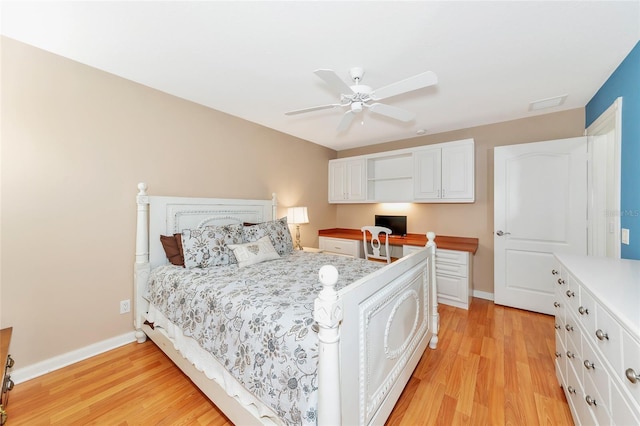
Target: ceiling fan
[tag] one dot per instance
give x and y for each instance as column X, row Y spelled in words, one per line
column 359, row 96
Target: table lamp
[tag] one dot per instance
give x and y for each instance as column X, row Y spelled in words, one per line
column 297, row 216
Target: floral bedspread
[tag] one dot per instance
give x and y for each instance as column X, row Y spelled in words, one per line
column 257, row 321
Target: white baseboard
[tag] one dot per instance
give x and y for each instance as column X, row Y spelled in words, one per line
column 482, row 295
column 23, row 374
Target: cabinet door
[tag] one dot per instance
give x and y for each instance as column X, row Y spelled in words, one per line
column 426, row 174
column 457, row 172
column 347, row 180
column 356, row 180
column 337, row 180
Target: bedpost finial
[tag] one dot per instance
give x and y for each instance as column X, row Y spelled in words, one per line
column 142, row 188
column 431, row 236
column 328, row 275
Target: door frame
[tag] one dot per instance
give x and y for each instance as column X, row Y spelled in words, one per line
column 609, row 120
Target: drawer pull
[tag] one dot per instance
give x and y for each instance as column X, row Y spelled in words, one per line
column 590, row 400
column 632, row 375
column 568, row 327
column 571, row 389
column 560, row 281
column 588, row 365
column 558, row 354
column 570, row 293
column 554, row 272
column 601, row 335
column 558, row 327
column 583, row 310
column 570, row 354
column 556, row 304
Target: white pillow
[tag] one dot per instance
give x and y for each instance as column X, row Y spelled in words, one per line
column 255, row 252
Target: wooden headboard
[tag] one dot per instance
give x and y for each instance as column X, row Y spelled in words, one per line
column 170, row 215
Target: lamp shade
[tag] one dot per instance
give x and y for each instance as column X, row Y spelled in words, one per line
column 297, row 215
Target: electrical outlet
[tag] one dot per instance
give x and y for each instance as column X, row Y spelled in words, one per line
column 625, row 236
column 125, row 306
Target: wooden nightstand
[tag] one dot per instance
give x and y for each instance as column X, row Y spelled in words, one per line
column 7, row 361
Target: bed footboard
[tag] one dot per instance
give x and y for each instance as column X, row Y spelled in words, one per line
column 372, row 335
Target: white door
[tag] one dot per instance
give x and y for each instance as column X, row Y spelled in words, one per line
column 540, row 207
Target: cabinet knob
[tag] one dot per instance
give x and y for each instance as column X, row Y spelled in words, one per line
column 560, row 281
column 558, row 354
column 570, row 293
column 568, row 327
column 570, row 354
column 10, row 362
column 590, row 400
column 583, row 310
column 558, row 327
column 588, row 365
column 601, row 335
column 632, row 376
column 571, row 389
column 556, row 304
column 554, row 272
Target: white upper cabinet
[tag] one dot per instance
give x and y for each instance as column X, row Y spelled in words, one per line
column 441, row 173
column 428, row 180
column 347, row 180
column 445, row 173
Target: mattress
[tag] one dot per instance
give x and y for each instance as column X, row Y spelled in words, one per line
column 256, row 321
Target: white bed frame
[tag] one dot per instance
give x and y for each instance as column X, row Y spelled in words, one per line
column 371, row 335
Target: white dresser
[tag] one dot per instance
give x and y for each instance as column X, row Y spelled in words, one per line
column 597, row 302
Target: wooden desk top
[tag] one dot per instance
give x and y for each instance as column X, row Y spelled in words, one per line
column 442, row 241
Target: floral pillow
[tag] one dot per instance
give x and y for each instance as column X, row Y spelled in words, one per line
column 277, row 231
column 256, row 252
column 208, row 246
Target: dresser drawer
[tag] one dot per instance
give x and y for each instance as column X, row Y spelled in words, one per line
column 630, row 360
column 621, row 409
column 452, row 256
column 596, row 383
column 607, row 337
column 586, row 311
column 341, row 246
column 451, row 269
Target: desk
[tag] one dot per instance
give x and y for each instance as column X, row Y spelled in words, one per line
column 454, row 258
column 442, row 241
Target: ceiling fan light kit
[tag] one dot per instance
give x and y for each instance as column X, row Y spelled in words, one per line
column 360, row 96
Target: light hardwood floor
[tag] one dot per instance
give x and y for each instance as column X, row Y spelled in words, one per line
column 493, row 366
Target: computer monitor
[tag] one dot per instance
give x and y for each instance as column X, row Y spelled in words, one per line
column 397, row 224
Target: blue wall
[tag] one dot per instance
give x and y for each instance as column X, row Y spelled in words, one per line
column 625, row 83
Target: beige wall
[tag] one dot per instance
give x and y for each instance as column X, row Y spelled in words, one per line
column 466, row 220
column 75, row 143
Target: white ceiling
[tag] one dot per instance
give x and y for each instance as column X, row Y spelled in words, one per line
column 255, row 60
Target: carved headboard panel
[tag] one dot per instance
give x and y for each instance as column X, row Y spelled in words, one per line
column 170, row 215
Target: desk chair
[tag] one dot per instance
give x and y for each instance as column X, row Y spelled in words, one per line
column 375, row 232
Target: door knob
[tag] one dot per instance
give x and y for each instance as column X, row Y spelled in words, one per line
column 500, row 233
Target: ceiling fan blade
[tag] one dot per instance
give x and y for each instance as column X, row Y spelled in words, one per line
column 315, row 108
column 427, row 78
column 347, row 118
column 392, row 112
column 335, row 82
